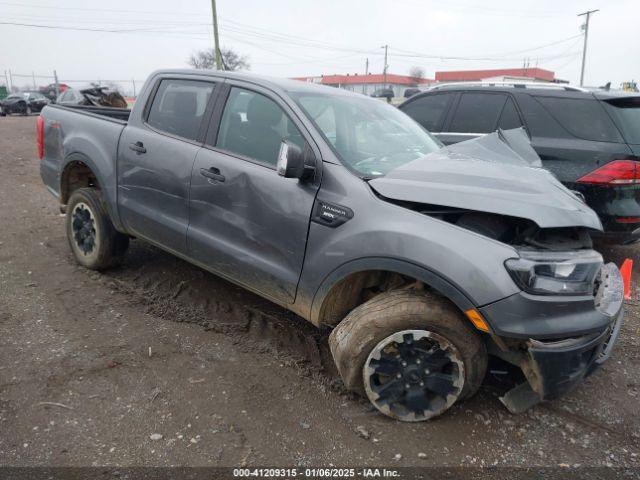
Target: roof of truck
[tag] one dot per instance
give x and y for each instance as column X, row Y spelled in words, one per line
column 285, row 84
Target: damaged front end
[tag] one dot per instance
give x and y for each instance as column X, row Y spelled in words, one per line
column 564, row 322
column 551, row 366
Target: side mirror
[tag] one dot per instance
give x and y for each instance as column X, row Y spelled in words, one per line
column 293, row 162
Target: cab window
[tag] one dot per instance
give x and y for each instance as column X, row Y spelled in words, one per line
column 254, row 126
column 178, row 107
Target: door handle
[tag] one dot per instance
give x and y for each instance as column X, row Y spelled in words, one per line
column 137, row 147
column 213, row 173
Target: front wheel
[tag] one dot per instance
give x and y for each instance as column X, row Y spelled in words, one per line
column 94, row 241
column 412, row 354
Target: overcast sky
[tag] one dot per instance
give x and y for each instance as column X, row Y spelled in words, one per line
column 311, row 37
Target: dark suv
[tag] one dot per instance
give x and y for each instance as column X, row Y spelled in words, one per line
column 590, row 140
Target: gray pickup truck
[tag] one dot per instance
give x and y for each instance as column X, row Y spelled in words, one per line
column 423, row 260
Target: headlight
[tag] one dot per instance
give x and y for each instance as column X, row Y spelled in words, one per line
column 556, row 273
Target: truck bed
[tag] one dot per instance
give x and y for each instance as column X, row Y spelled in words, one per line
column 118, row 114
column 85, row 134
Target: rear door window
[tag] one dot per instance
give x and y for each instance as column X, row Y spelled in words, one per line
column 477, row 113
column 626, row 114
column 179, row 105
column 583, row 118
column 429, row 111
column 509, row 117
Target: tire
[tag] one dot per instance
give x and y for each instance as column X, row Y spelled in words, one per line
column 94, row 241
column 399, row 314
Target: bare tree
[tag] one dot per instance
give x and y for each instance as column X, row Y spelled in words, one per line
column 416, row 72
column 231, row 60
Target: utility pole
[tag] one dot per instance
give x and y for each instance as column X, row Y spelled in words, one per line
column 366, row 67
column 216, row 40
column 55, row 79
column 134, row 86
column 384, row 71
column 33, row 77
column 584, row 47
column 6, row 80
column 11, row 81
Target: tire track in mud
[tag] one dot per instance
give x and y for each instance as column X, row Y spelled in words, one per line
column 174, row 290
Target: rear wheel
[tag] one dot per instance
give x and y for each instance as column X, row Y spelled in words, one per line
column 411, row 354
column 94, row 241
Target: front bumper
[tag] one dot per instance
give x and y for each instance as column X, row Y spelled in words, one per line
column 554, row 368
column 564, row 347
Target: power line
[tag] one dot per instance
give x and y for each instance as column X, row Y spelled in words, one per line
column 111, row 10
column 290, row 40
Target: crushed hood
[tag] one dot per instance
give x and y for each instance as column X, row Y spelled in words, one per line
column 497, row 173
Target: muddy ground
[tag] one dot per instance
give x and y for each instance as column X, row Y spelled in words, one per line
column 94, row 367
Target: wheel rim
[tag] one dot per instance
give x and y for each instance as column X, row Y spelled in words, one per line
column 413, row 375
column 83, row 225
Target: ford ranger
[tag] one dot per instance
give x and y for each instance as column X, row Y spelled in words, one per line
column 423, row 260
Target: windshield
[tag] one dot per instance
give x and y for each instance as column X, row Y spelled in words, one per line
column 626, row 114
column 368, row 135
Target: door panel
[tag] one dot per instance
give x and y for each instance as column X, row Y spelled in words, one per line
column 153, row 187
column 251, row 227
column 155, row 161
column 247, row 222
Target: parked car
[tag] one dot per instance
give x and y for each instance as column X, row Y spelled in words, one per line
column 52, row 91
column 24, row 103
column 383, row 93
column 71, row 96
column 410, row 92
column 589, row 139
column 93, row 96
column 345, row 211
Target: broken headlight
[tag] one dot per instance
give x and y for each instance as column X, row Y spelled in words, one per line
column 556, row 273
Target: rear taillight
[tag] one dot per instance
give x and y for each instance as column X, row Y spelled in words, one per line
column 618, row 172
column 40, row 137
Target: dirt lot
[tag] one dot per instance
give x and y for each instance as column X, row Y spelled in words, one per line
column 94, row 367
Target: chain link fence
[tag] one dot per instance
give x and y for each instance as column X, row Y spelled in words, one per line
column 19, row 81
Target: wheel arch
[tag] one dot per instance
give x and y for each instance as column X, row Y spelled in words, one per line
column 339, row 292
column 78, row 171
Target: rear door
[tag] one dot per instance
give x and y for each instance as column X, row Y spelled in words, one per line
column 247, row 222
column 156, row 155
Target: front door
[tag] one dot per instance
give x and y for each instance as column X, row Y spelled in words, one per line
column 247, row 222
column 156, row 159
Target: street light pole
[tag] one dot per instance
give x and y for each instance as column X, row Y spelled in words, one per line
column 216, row 40
column 584, row 47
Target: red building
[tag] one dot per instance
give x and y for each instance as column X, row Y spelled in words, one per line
column 534, row 74
column 367, row 84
